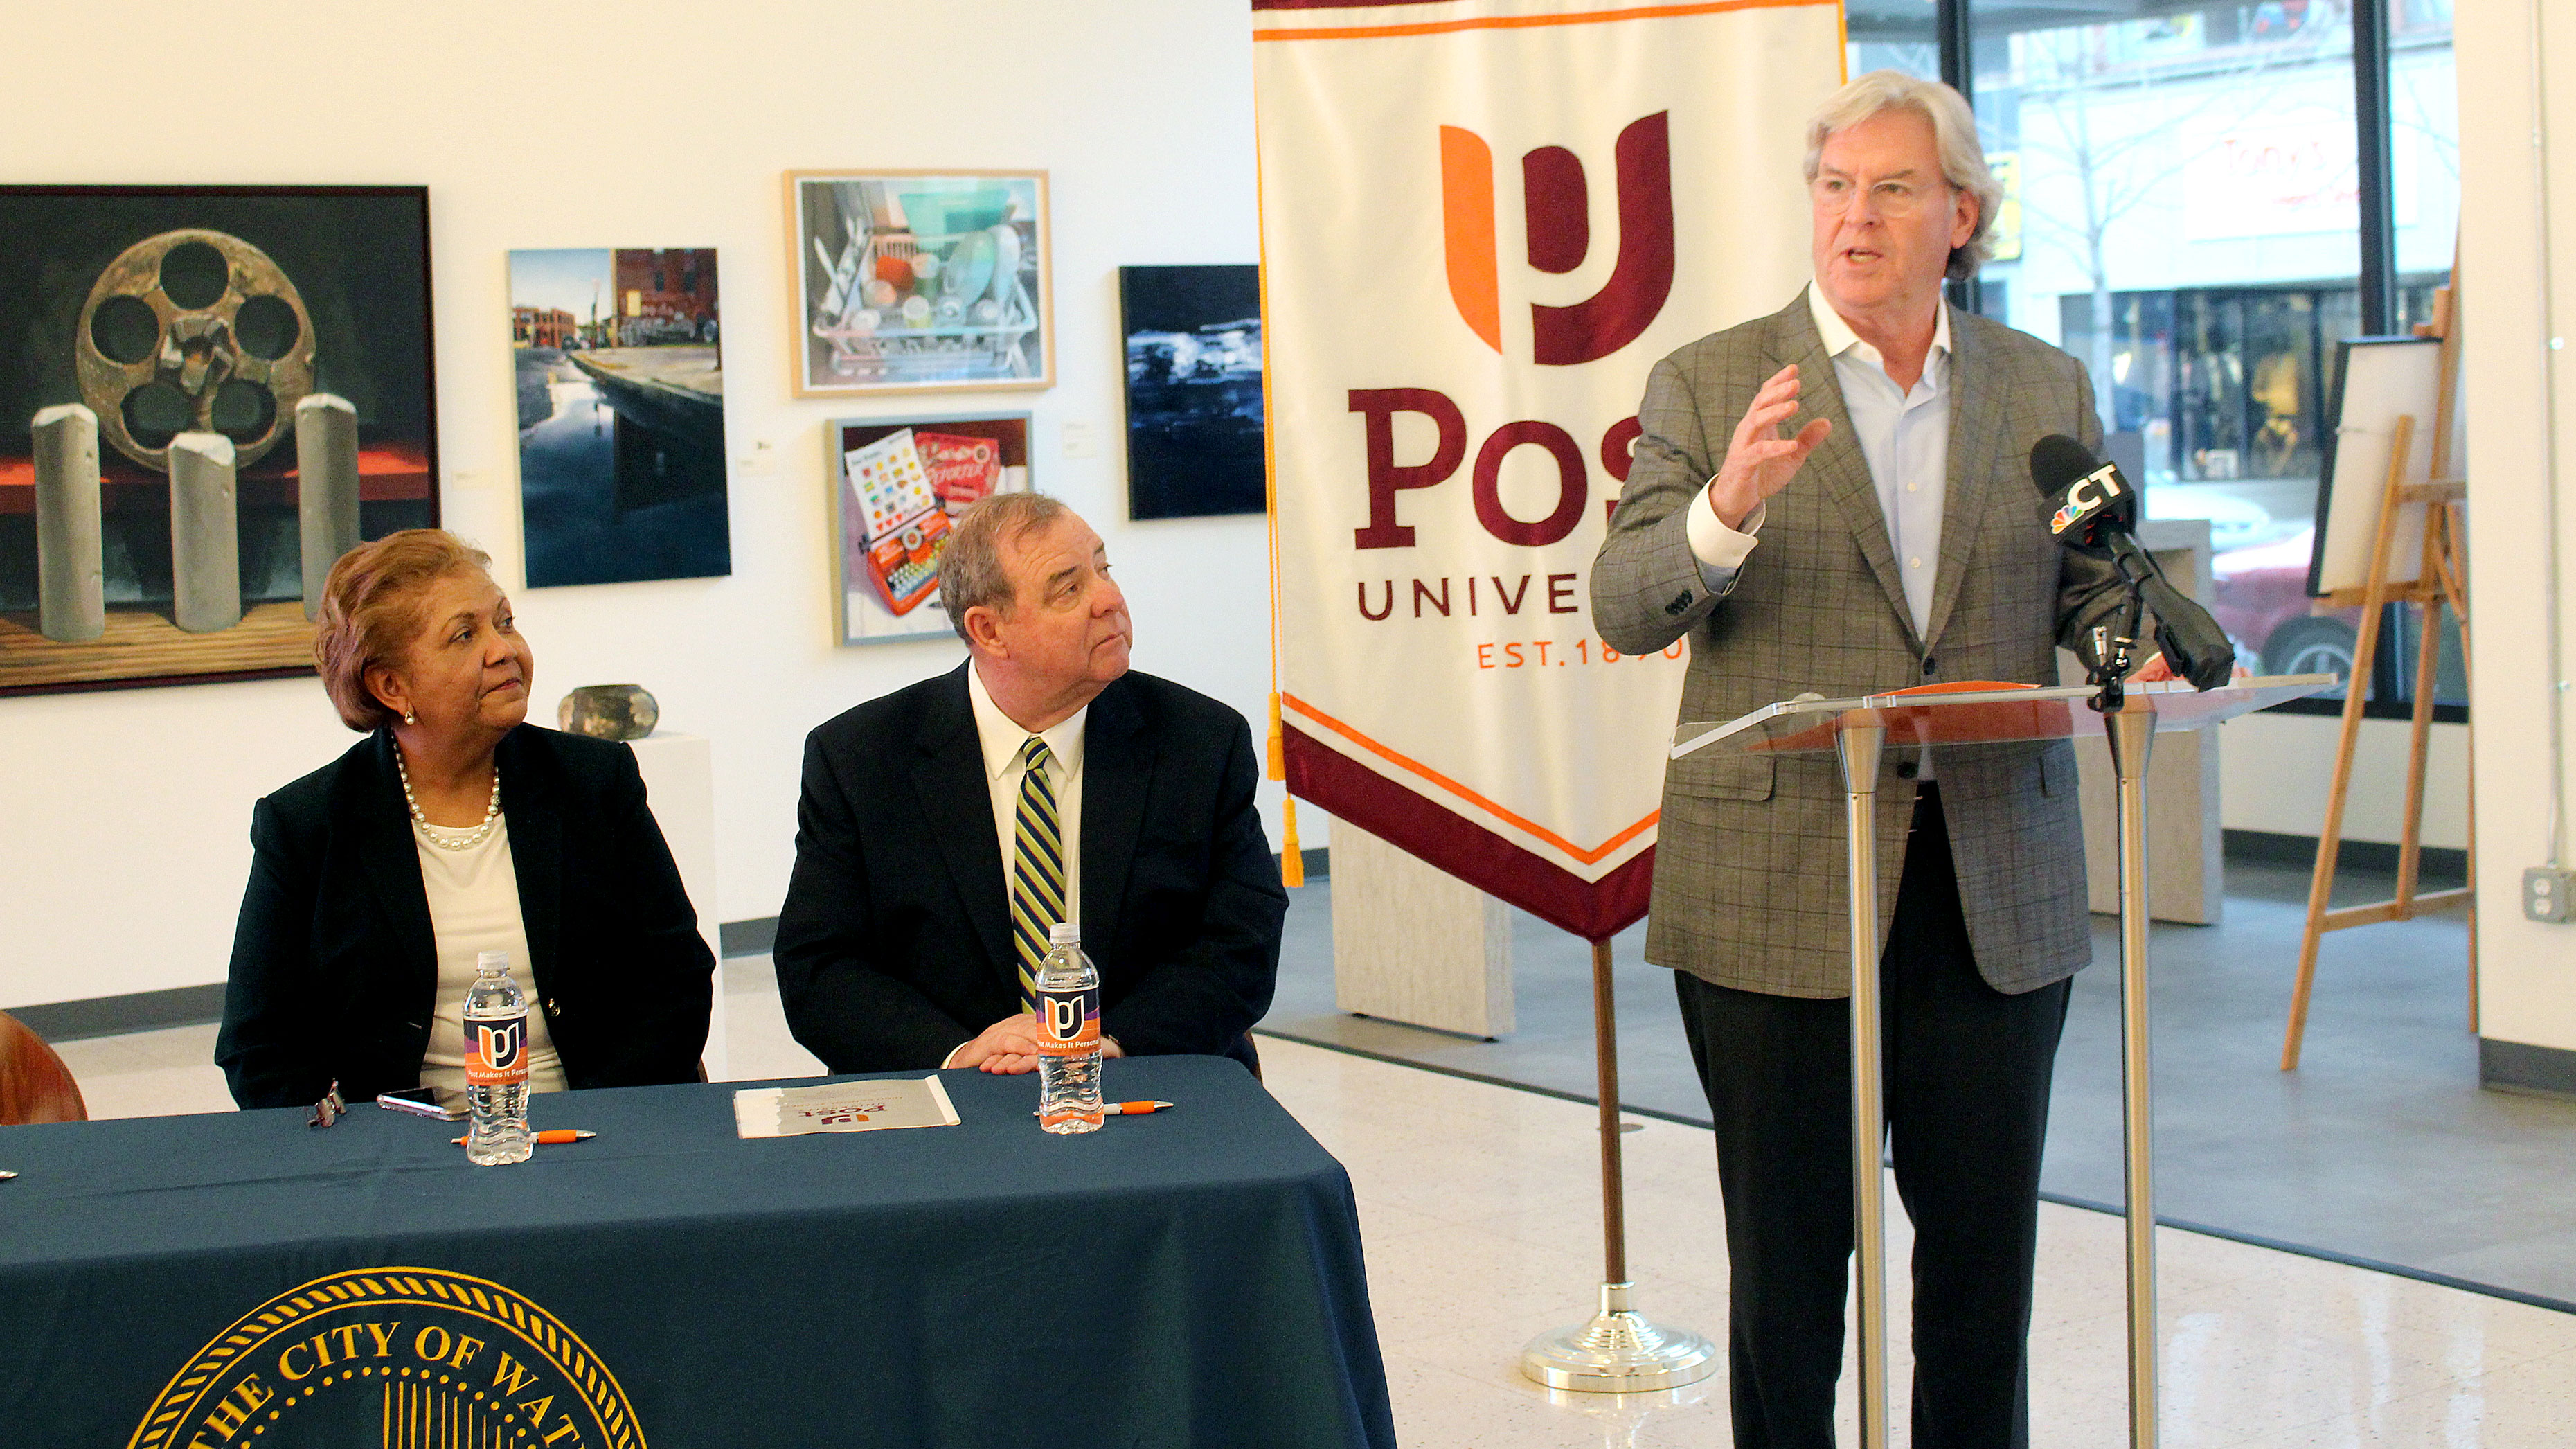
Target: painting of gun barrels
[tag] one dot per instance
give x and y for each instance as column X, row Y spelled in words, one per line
column 1194, row 441
column 621, row 415
column 207, row 395
column 897, row 485
column 909, row 281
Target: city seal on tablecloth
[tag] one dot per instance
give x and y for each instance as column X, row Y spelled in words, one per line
column 412, row 1356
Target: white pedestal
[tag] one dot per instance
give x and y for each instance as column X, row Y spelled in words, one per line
column 1414, row 944
column 2186, row 879
column 680, row 784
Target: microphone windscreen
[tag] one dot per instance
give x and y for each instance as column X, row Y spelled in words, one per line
column 2194, row 643
column 2057, row 460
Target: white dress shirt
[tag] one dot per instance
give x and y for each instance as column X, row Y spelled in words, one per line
column 474, row 908
column 1904, row 437
column 1004, row 769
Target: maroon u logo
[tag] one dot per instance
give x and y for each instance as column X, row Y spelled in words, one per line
column 1560, row 237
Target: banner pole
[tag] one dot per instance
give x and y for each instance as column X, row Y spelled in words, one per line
column 1614, row 1181
column 1618, row 1351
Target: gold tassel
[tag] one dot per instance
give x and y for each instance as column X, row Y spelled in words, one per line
column 1278, row 758
column 1292, row 861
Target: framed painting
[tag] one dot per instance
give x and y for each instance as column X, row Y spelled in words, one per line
column 245, row 325
column 915, row 281
column 897, row 484
column 621, row 414
column 2377, row 379
column 1194, row 441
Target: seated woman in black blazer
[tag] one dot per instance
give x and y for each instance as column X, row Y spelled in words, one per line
column 454, row 828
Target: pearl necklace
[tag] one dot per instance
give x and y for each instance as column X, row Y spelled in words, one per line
column 474, row 836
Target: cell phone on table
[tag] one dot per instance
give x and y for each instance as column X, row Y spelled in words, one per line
column 420, row 1102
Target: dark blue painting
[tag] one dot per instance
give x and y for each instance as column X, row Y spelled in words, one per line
column 1193, row 390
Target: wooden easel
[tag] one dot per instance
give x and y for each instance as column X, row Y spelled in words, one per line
column 2442, row 579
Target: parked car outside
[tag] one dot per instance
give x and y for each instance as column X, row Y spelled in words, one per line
column 2259, row 595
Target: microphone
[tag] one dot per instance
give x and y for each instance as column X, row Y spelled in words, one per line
column 2090, row 499
column 2092, row 509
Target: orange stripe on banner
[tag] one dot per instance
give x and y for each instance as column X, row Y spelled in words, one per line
column 1467, row 224
column 1525, row 22
column 1588, row 857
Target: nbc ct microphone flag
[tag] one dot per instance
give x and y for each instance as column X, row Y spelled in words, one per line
column 1483, row 222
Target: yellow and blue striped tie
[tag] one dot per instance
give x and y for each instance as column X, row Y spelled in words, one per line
column 1037, row 868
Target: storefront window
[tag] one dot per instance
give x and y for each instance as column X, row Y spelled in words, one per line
column 1892, row 35
column 2188, row 188
column 2424, row 140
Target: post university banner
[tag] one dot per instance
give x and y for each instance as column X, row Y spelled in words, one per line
column 1483, row 221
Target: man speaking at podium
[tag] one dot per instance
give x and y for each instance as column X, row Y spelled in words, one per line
column 1890, row 539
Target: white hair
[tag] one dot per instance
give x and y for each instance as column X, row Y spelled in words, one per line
column 1954, row 134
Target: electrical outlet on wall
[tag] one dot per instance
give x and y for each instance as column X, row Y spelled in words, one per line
column 2549, row 894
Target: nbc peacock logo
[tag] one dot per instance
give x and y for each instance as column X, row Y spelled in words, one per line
column 1558, row 228
column 414, row 1357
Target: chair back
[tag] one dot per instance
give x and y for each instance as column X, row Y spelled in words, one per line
column 35, row 1086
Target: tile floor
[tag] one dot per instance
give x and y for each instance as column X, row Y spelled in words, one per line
column 2336, row 1156
column 1478, row 1204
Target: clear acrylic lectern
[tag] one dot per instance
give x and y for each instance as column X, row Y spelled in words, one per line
column 1858, row 731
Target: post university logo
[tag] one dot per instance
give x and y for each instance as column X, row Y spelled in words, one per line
column 1559, row 228
column 405, row 1358
column 496, row 1054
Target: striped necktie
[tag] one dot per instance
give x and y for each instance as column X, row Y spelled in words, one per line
column 1037, row 868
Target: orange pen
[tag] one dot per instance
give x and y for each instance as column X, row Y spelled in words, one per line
column 1125, row 1109
column 552, row 1136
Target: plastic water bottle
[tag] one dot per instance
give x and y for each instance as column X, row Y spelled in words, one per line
column 496, row 1064
column 1068, row 1035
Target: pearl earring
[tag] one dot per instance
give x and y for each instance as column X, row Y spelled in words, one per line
column 410, row 718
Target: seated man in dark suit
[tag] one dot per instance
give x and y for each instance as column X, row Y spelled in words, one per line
column 946, row 826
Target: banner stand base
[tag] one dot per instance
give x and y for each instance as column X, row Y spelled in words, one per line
column 1618, row 1352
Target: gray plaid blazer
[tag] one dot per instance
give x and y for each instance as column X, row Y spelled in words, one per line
column 1749, row 886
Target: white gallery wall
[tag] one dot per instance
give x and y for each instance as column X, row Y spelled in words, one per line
column 2274, row 771
column 124, row 815
column 2517, row 80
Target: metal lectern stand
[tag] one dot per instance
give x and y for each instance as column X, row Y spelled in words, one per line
column 1858, row 731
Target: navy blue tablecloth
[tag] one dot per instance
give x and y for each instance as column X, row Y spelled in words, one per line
column 1188, row 1278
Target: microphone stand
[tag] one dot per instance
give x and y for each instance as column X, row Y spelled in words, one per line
column 2132, row 737
column 2114, row 655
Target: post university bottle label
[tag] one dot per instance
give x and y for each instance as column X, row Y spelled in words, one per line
column 1069, row 1022
column 496, row 1051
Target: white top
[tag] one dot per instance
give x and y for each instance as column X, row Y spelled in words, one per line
column 1003, row 741
column 474, row 908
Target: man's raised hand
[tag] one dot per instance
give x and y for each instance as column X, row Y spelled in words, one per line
column 1760, row 462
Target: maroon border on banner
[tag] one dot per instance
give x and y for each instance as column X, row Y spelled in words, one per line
column 1451, row 842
